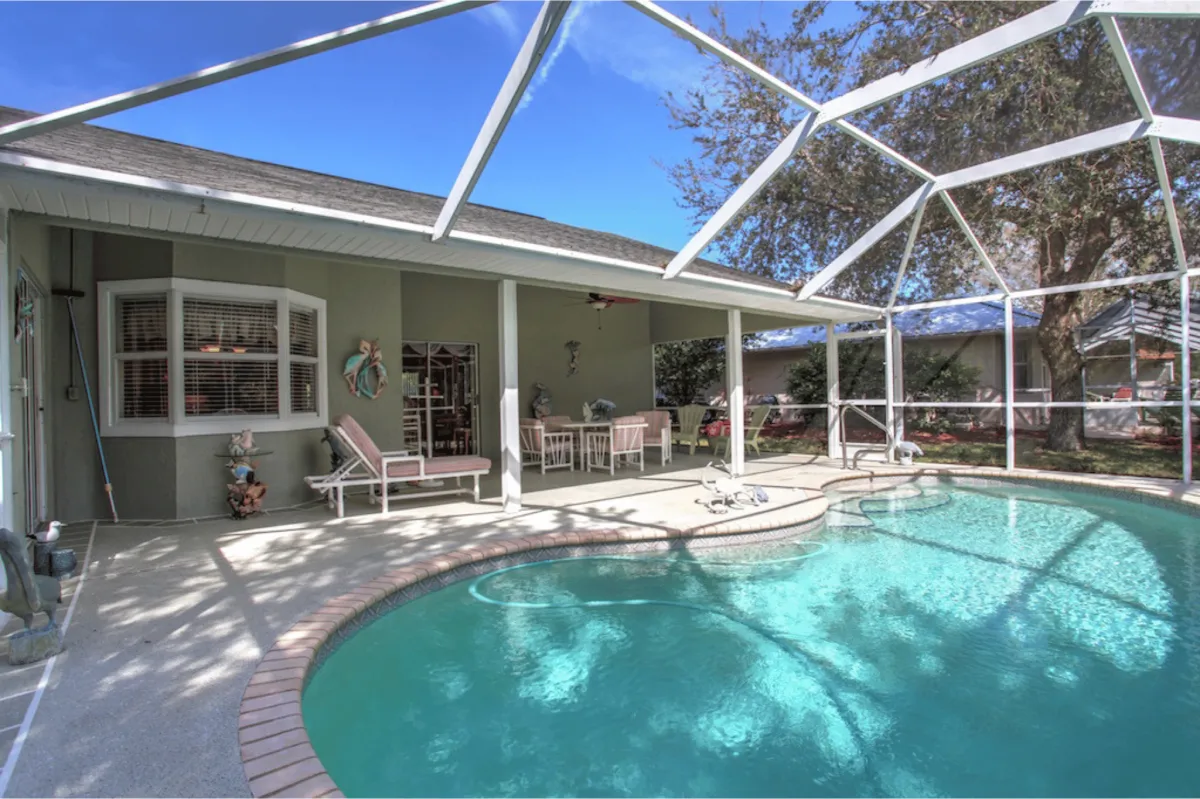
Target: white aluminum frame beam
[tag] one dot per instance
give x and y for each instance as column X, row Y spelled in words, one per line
column 728, row 56
column 1120, row 51
column 541, row 34
column 742, row 196
column 234, row 69
column 1010, row 377
column 952, row 207
column 1164, row 185
column 950, row 303
column 1146, row 8
column 1028, row 28
column 870, row 238
column 1068, row 148
column 908, row 248
column 1177, row 129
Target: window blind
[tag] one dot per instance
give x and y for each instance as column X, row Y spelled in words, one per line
column 232, row 387
column 227, row 326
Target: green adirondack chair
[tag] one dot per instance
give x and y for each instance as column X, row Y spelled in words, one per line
column 758, row 418
column 690, row 417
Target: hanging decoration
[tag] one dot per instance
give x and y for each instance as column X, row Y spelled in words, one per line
column 24, row 316
column 573, row 365
column 541, row 401
column 365, row 373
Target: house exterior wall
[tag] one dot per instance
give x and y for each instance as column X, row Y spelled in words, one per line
column 615, row 354
column 671, row 322
column 167, row 477
column 457, row 309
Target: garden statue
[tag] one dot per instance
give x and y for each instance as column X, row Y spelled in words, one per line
column 541, row 401
column 573, row 364
column 45, row 555
column 245, row 498
column 241, row 444
column 359, row 368
column 26, row 594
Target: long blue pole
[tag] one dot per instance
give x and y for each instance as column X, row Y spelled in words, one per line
column 87, row 389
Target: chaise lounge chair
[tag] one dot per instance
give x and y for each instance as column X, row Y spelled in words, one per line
column 377, row 470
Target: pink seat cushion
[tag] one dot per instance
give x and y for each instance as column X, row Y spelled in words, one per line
column 657, row 421
column 452, row 464
column 357, row 436
column 628, row 433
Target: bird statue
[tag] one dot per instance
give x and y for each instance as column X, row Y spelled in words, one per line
column 26, row 593
column 50, row 534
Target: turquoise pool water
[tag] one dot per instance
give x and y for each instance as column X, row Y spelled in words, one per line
column 938, row 641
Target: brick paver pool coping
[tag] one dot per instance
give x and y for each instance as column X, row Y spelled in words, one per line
column 276, row 752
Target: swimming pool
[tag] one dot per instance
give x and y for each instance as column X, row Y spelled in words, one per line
column 930, row 639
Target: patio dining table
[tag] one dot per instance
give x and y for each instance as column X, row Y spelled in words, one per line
column 580, row 429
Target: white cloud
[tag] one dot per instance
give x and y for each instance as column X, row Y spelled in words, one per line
column 620, row 40
column 564, row 37
column 497, row 15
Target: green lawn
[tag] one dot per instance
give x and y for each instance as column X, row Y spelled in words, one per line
column 1132, row 457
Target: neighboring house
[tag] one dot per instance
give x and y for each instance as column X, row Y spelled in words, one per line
column 222, row 293
column 1131, row 351
column 972, row 334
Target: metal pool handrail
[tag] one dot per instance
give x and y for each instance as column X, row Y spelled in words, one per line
column 891, row 440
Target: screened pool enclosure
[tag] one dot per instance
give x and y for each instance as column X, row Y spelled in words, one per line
column 886, row 270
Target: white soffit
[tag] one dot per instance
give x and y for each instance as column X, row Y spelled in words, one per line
column 147, row 206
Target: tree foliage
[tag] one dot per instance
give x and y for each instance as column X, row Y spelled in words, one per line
column 683, row 369
column 1094, row 216
column 929, row 376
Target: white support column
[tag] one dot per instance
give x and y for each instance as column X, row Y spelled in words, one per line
column 510, row 422
column 1133, row 362
column 889, row 385
column 1010, row 418
column 6, row 434
column 898, row 376
column 737, row 395
column 832, row 391
column 1185, row 321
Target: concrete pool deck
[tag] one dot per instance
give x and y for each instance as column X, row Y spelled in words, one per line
column 172, row 621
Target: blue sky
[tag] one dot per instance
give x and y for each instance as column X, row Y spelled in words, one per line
column 402, row 109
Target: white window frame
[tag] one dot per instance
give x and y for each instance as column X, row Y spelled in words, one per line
column 177, row 424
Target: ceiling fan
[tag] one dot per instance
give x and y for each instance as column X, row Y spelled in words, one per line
column 603, row 302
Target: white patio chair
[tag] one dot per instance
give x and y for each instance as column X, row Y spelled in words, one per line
column 626, row 437
column 658, row 432
column 549, row 450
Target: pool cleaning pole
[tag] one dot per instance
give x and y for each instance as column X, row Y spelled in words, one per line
column 87, row 389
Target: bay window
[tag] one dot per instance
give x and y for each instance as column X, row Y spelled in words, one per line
column 191, row 357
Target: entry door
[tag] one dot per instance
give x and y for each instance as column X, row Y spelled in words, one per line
column 28, row 310
column 440, row 381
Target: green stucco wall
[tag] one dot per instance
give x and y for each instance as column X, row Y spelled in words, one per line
column 614, row 353
column 155, row 478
